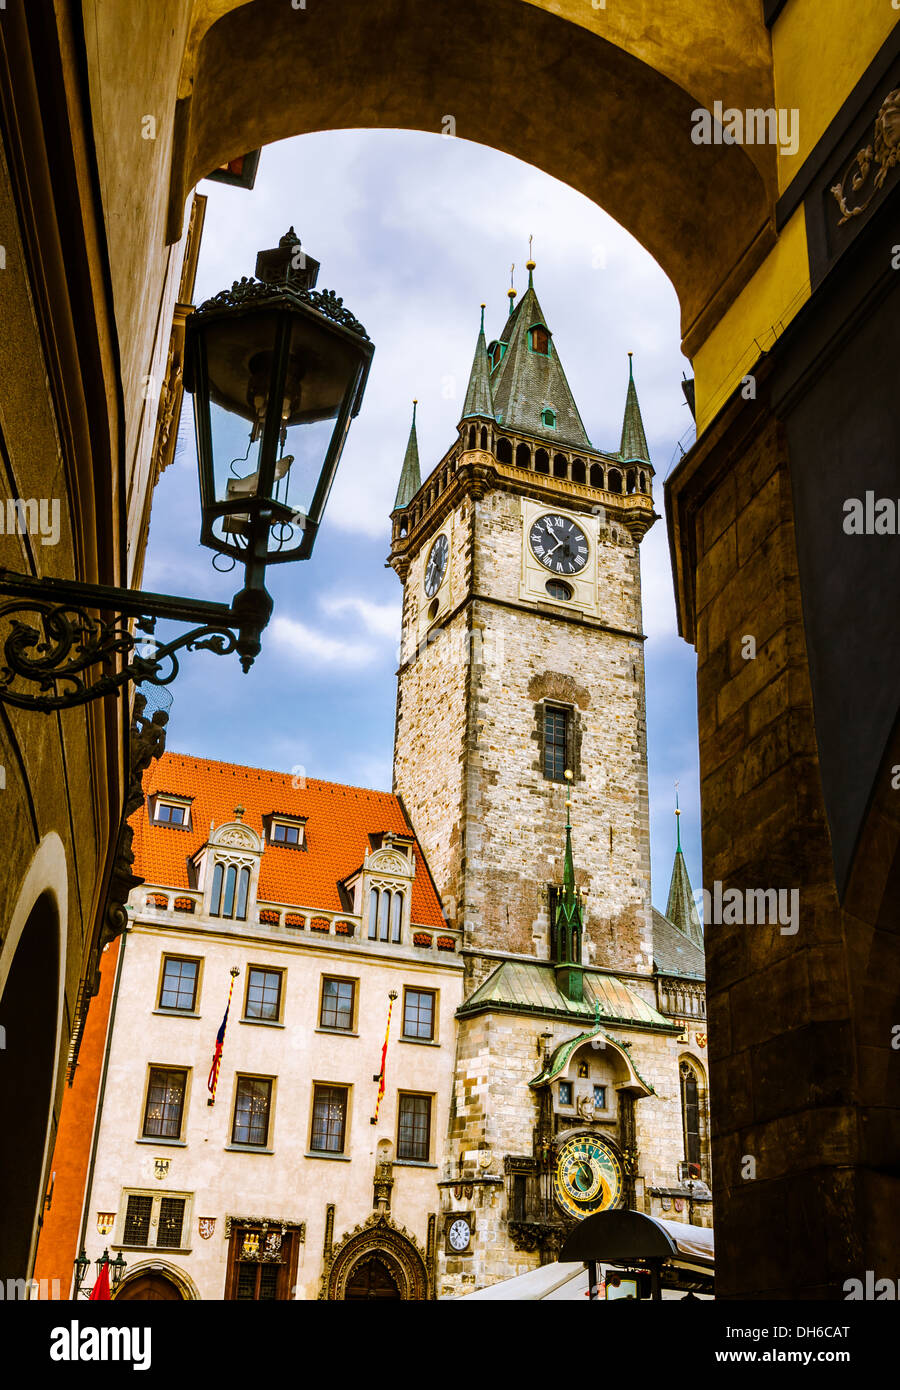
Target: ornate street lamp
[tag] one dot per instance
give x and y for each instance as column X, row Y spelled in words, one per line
column 81, row 1268
column 116, row 1270
column 277, row 370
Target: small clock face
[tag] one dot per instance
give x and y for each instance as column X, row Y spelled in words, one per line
column 588, row 1176
column 436, row 566
column 559, row 544
column 459, row 1234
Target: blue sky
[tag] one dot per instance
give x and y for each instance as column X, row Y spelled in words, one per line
column 414, row 231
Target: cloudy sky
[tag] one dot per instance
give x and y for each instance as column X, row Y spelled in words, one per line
column 415, row 230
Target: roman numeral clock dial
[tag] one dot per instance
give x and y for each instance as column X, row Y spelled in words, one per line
column 559, row 544
column 436, row 565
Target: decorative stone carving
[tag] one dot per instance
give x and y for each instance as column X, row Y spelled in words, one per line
column 875, row 160
column 399, row 1251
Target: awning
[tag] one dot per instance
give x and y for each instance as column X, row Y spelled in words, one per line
column 625, row 1237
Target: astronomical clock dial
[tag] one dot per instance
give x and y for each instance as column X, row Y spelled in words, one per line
column 459, row 1234
column 436, row 566
column 588, row 1176
column 559, row 544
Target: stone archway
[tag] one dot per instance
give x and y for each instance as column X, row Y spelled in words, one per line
column 154, row 1281
column 371, row 1259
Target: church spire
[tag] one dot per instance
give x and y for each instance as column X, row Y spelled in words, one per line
column 410, row 477
column 633, row 447
column 478, row 393
column 529, row 389
column 681, row 909
column 568, row 924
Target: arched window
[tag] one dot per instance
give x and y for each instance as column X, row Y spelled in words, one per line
column 596, row 475
column 539, row 340
column 504, row 451
column 471, row 436
column 560, row 466
column 630, row 484
column 484, row 437
column 579, row 471
column 541, row 461
column 614, row 481
column 230, row 884
column 240, row 910
column 548, row 418
column 690, row 1112
column 396, row 916
column 523, row 456
column 373, row 914
column 384, row 914
column 216, row 896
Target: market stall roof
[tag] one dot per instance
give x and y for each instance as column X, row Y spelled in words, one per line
column 621, row 1237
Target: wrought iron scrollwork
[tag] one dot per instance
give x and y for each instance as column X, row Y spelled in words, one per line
column 247, row 290
column 57, row 653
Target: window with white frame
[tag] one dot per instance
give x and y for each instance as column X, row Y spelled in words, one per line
column 386, row 914
column 172, row 810
column 156, row 1220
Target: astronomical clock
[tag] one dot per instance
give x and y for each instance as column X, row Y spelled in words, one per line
column 587, row 1176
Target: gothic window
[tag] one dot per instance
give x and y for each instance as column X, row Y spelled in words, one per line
column 556, row 742
column 165, row 1103
column 548, row 418
column 414, row 1128
column 338, row 1000
column 329, row 1119
column 539, row 340
column 252, row 1103
column 178, row 990
column 418, row 1014
column 504, row 451
column 230, row 890
column 263, row 1001
column 484, row 438
column 690, row 1112
column 385, row 914
column 630, row 482
column 471, row 436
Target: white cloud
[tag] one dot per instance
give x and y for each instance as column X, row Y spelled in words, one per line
column 380, row 619
column 305, row 644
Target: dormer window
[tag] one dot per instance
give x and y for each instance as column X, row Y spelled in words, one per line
column 495, row 354
column 230, row 890
column 285, row 831
column 539, row 340
column 548, row 418
column 172, row 810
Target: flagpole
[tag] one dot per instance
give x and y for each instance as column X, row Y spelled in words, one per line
column 213, row 1079
column 379, row 1077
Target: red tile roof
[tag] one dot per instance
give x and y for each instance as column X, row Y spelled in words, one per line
column 339, row 821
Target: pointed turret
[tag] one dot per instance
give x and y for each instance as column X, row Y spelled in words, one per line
column 633, row 448
column 478, row 393
column 410, row 477
column 681, row 909
column 568, row 923
column 528, row 385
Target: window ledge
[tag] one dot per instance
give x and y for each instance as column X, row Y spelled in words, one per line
column 341, row 1032
column 320, row 1153
column 412, row 1163
column 247, row 1149
column 176, row 1013
column 262, row 1022
column 168, row 1143
column 155, row 1249
column 420, row 1042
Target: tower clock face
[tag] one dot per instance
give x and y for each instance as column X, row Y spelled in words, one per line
column 559, row 544
column 436, row 566
column 588, row 1176
column 459, row 1234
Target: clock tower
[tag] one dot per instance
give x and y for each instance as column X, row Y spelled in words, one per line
column 522, row 657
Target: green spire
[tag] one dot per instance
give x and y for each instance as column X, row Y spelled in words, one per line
column 568, row 926
column 410, row 477
column 634, row 440
column 526, row 381
column 478, row 393
column 681, row 909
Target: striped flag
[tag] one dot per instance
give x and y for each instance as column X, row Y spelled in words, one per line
column 213, row 1080
column 380, row 1077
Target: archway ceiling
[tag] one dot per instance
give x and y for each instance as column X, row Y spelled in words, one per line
column 601, row 99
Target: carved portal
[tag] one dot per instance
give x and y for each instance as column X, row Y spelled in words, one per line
column 380, row 1238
